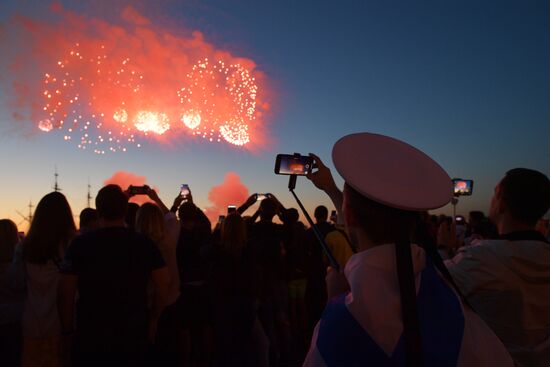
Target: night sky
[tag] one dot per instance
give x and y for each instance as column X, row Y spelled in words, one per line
column 467, row 82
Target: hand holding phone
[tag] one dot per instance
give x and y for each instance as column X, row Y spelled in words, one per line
column 322, row 178
column 293, row 164
column 184, row 191
column 138, row 190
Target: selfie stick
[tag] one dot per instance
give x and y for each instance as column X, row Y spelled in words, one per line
column 330, row 256
column 454, row 202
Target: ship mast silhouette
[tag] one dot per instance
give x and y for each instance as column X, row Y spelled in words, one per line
column 27, row 218
column 89, row 196
column 56, row 187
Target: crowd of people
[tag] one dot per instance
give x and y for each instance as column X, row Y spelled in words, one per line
column 156, row 285
column 153, row 285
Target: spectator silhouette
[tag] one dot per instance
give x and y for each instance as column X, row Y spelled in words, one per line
column 131, row 212
column 50, row 232
column 111, row 268
column 363, row 321
column 267, row 240
column 8, row 239
column 161, row 225
column 89, row 220
column 479, row 228
column 12, row 296
column 316, row 291
column 296, row 262
column 507, row 280
column 235, row 285
column 193, row 265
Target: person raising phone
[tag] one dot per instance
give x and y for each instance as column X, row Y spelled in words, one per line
column 363, row 322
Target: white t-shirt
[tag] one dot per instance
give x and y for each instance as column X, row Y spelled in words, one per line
column 508, row 284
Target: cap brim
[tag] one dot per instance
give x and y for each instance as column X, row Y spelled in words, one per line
column 391, row 172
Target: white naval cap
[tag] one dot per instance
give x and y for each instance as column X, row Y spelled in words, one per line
column 391, row 172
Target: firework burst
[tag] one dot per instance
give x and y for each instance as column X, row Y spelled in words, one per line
column 86, row 97
column 222, row 99
column 107, row 88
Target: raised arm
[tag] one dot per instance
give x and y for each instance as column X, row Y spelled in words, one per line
column 280, row 207
column 247, row 204
column 154, row 196
column 177, row 202
column 323, row 180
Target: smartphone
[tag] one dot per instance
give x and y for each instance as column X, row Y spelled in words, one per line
column 184, row 190
column 289, row 164
column 231, row 209
column 260, row 197
column 463, row 187
column 138, row 190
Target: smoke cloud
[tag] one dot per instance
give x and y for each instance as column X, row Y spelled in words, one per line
column 230, row 192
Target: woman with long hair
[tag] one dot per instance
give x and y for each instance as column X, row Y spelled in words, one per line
column 163, row 229
column 233, row 238
column 50, row 233
column 234, row 283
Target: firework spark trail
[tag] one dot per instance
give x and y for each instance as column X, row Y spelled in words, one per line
column 93, row 83
column 223, row 98
column 107, row 87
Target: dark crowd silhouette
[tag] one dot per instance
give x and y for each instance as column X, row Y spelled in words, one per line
column 153, row 285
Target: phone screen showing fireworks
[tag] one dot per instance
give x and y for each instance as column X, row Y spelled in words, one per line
column 288, row 164
column 463, row 187
column 184, row 190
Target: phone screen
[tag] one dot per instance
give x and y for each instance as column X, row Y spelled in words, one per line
column 463, row 187
column 184, row 190
column 138, row 190
column 288, row 164
column 231, row 209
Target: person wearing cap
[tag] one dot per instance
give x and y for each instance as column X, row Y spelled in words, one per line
column 387, row 184
column 507, row 280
